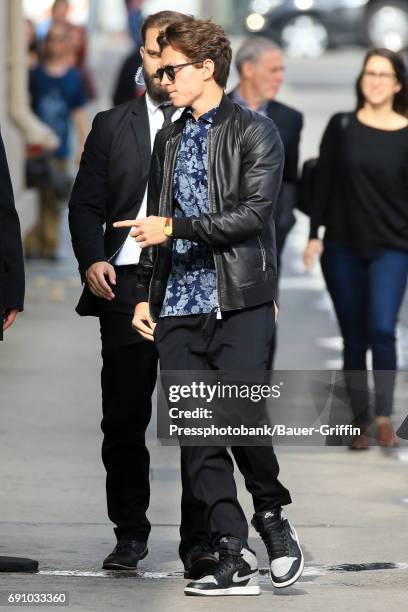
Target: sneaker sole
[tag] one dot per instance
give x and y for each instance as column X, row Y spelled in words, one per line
column 249, row 590
column 200, row 567
column 119, row 566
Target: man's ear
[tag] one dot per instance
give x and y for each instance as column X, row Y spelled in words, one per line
column 142, row 52
column 247, row 69
column 208, row 69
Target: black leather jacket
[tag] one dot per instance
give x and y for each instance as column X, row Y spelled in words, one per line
column 245, row 164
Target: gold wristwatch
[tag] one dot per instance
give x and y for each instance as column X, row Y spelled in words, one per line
column 168, row 227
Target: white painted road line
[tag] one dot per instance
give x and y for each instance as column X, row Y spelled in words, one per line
column 316, row 570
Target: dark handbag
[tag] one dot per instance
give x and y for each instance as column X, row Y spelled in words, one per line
column 37, row 171
column 306, row 186
column 308, row 176
column 42, row 171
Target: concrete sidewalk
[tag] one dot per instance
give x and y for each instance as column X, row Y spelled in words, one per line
column 348, row 508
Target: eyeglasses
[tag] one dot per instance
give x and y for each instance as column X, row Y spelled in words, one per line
column 170, row 71
column 383, row 76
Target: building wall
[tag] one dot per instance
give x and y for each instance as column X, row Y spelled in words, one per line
column 25, row 199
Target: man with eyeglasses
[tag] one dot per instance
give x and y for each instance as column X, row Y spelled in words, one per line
column 112, row 184
column 206, row 289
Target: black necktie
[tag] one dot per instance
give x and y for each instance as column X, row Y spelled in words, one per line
column 168, row 111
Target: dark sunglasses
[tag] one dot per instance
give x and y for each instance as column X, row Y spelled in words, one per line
column 170, row 71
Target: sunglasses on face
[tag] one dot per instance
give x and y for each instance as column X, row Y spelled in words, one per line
column 170, row 71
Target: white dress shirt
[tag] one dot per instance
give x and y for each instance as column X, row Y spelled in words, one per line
column 130, row 251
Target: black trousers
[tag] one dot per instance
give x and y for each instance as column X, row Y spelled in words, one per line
column 128, row 379
column 241, row 340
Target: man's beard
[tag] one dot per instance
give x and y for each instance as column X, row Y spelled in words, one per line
column 157, row 93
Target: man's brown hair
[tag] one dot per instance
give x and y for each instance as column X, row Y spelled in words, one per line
column 198, row 40
column 160, row 20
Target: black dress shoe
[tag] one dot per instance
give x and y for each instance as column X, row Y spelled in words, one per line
column 125, row 555
column 199, row 560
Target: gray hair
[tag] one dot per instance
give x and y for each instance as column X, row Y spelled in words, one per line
column 252, row 49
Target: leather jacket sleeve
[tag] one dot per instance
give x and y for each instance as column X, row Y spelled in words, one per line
column 260, row 180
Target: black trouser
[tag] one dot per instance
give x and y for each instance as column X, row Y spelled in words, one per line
column 241, row 340
column 128, row 380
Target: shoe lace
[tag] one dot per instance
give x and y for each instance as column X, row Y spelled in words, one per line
column 226, row 563
column 276, row 540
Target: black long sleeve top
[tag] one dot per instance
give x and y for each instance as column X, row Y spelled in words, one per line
column 361, row 187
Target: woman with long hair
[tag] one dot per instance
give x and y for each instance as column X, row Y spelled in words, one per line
column 361, row 198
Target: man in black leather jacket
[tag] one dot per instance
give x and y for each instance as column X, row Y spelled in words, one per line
column 206, row 289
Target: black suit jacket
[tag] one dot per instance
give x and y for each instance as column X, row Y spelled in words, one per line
column 109, row 187
column 289, row 123
column 11, row 250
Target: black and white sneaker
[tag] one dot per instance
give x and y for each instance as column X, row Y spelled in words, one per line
column 235, row 574
column 200, row 559
column 282, row 543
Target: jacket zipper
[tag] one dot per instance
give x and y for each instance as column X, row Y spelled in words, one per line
column 163, row 191
column 164, row 186
column 213, row 209
column 263, row 254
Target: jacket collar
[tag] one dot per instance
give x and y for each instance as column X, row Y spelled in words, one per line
column 138, row 106
column 235, row 96
column 224, row 110
column 139, row 120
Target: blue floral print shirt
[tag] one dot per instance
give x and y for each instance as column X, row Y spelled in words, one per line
column 191, row 286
